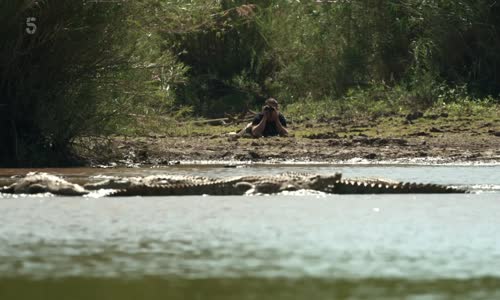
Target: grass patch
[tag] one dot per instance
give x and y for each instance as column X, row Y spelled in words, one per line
column 382, row 101
column 168, row 126
column 467, row 107
column 377, row 112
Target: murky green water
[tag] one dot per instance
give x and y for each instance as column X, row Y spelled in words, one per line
column 260, row 247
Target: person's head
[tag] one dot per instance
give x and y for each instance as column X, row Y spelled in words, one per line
column 272, row 102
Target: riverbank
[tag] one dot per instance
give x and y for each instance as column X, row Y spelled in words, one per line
column 410, row 139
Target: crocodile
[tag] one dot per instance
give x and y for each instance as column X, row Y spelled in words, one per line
column 385, row 186
column 38, row 183
column 166, row 185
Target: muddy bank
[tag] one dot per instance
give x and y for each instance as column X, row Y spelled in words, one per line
column 438, row 139
column 164, row 151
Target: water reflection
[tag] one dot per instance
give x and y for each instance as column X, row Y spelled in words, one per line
column 153, row 288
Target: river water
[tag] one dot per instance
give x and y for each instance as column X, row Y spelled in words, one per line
column 290, row 246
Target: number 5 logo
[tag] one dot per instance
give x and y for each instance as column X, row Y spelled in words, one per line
column 30, row 25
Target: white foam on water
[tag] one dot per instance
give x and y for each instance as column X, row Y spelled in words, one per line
column 420, row 161
column 303, row 192
column 485, row 187
column 100, row 193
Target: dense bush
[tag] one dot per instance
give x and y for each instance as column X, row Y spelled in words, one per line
column 322, row 50
column 82, row 71
column 226, row 56
column 327, row 48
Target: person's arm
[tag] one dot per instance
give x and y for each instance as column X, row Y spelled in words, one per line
column 281, row 126
column 258, row 129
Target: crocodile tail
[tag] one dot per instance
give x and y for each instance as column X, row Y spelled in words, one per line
column 361, row 187
column 434, row 188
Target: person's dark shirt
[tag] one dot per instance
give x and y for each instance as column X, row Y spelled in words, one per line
column 271, row 129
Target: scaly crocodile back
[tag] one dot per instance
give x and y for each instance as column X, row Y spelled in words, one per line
column 166, row 185
column 382, row 186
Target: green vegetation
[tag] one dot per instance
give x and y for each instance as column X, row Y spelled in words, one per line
column 83, row 70
column 95, row 68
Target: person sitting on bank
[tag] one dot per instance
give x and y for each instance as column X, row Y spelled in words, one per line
column 270, row 122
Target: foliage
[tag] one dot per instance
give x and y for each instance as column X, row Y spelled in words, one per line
column 95, row 68
column 378, row 101
column 327, row 48
column 82, row 72
column 466, row 107
column 225, row 55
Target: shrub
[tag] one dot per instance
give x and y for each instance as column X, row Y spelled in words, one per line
column 82, row 71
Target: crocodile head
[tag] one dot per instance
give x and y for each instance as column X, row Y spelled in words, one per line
column 324, row 183
column 39, row 182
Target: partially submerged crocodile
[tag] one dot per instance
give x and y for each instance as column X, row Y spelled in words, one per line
column 165, row 185
column 37, row 183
